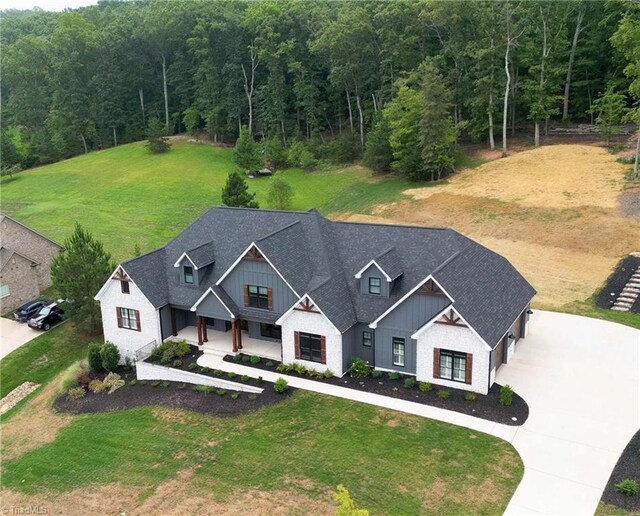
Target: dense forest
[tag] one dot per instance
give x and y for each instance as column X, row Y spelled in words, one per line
column 400, row 81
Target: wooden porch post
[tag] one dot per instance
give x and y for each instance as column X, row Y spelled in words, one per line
column 239, row 336
column 204, row 330
column 199, row 326
column 174, row 326
column 233, row 336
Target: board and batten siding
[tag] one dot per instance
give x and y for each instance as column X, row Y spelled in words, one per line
column 252, row 272
column 212, row 307
column 352, row 345
column 413, row 313
column 453, row 338
column 373, row 272
column 128, row 341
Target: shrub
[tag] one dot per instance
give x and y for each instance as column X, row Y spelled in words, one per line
column 128, row 365
column 246, row 358
column 133, row 382
column 94, row 358
column 628, row 487
column 218, row 372
column 244, row 378
column 410, row 383
column 182, row 386
column 377, row 374
column 252, row 397
column 235, row 395
column 231, row 375
column 177, row 363
column 281, row 385
column 470, row 396
column 207, row 389
column 110, row 356
column 192, row 366
column 70, row 378
column 394, row 375
column 166, row 384
column 300, row 155
column 205, row 370
column 237, row 358
column 425, row 387
column 82, row 377
column 347, row 505
column 255, row 359
column 113, row 381
column 345, row 148
column 506, row 395
column 269, row 364
column 143, row 382
column 75, row 392
column 443, row 394
column 359, row 368
column 97, row 386
column 165, row 360
column 282, row 368
column 173, row 349
column 300, row 369
column 221, row 392
column 155, row 383
column 328, row 373
column 259, row 380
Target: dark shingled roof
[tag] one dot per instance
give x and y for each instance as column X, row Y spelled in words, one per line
column 320, row 257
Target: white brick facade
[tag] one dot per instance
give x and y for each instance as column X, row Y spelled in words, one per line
column 453, row 338
column 312, row 322
column 128, row 341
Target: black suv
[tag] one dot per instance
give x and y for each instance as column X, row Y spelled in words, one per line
column 30, row 309
column 47, row 316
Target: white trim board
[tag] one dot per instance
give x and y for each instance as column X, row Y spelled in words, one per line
column 293, row 307
column 431, row 321
column 182, row 257
column 106, row 284
column 373, row 262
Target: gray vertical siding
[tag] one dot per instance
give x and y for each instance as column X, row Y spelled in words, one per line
column 211, row 307
column 249, row 272
column 165, row 321
column 374, row 272
column 254, row 332
column 412, row 314
column 352, row 345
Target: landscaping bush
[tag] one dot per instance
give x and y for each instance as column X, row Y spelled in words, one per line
column 165, row 384
column 205, row 370
column 328, row 373
column 359, row 368
column 207, row 389
column 82, row 377
column 94, row 358
column 182, row 386
column 165, row 360
column 143, row 382
column 443, row 394
column 259, row 381
column 269, row 364
column 244, row 378
column 231, row 375
column 97, row 386
column 628, row 487
column 425, row 387
column 470, row 396
column 75, row 392
column 218, row 372
column 281, row 385
column 235, row 395
column 113, row 382
column 70, row 379
column 177, row 363
column 172, row 349
column 155, row 383
column 252, row 397
column 300, row 369
column 255, row 359
column 377, row 374
column 133, row 382
column 110, row 356
column 410, row 383
column 221, row 392
column 394, row 375
column 128, row 365
column 506, row 395
column 237, row 358
column 192, row 366
column 246, row 358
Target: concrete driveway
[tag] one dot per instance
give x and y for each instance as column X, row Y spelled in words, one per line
column 13, row 335
column 580, row 377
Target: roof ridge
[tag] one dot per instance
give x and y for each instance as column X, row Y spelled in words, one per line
column 278, row 231
column 199, row 246
column 392, row 248
column 241, row 208
column 446, row 262
column 163, row 248
column 389, row 224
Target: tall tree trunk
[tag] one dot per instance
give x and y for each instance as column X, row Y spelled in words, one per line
column 84, row 143
column 361, row 120
column 505, row 107
column 375, row 104
column 141, row 95
column 166, row 97
column 249, row 83
column 115, row 138
column 536, row 137
column 513, row 102
column 572, row 55
column 492, row 141
column 284, row 134
column 350, row 112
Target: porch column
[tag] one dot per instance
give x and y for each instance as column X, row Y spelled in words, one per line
column 174, row 326
column 199, row 326
column 239, row 326
column 204, row 330
column 234, row 340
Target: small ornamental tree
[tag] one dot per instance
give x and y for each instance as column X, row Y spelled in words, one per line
column 77, row 275
column 280, row 193
column 236, row 192
column 246, row 154
column 156, row 141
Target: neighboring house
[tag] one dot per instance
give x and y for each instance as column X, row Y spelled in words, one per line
column 424, row 301
column 25, row 261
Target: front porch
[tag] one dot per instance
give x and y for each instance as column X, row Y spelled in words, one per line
column 221, row 342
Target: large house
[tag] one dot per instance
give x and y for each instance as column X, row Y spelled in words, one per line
column 25, row 263
column 298, row 287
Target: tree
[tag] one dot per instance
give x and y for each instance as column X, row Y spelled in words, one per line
column 347, row 506
column 611, row 108
column 377, row 151
column 280, row 193
column 78, row 273
column 157, row 143
column 236, row 192
column 582, row 7
column 246, row 154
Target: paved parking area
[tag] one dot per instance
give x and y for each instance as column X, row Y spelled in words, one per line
column 13, row 335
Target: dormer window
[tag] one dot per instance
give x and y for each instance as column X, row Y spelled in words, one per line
column 375, row 286
column 188, row 274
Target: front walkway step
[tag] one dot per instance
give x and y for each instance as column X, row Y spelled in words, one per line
column 620, row 308
column 629, row 294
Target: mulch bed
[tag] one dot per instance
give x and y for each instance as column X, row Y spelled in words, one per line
column 140, row 395
column 485, row 406
column 628, row 466
column 617, row 282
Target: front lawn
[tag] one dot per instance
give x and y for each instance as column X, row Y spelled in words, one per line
column 391, row 463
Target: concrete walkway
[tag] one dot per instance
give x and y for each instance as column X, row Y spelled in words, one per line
column 580, row 379
column 13, row 335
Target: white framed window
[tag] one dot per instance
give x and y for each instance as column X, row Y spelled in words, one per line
column 4, row 291
column 375, row 286
column 398, row 351
column 129, row 319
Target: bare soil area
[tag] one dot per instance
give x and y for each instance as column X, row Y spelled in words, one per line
column 555, row 212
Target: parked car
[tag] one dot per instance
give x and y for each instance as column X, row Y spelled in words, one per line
column 30, row 309
column 47, row 316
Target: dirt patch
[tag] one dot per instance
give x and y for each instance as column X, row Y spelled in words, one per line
column 34, row 425
column 553, row 212
column 629, row 204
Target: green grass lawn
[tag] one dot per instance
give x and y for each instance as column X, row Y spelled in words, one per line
column 42, row 358
column 390, row 462
column 126, row 195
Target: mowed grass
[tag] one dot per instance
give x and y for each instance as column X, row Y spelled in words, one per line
column 42, row 358
column 391, row 463
column 127, row 196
